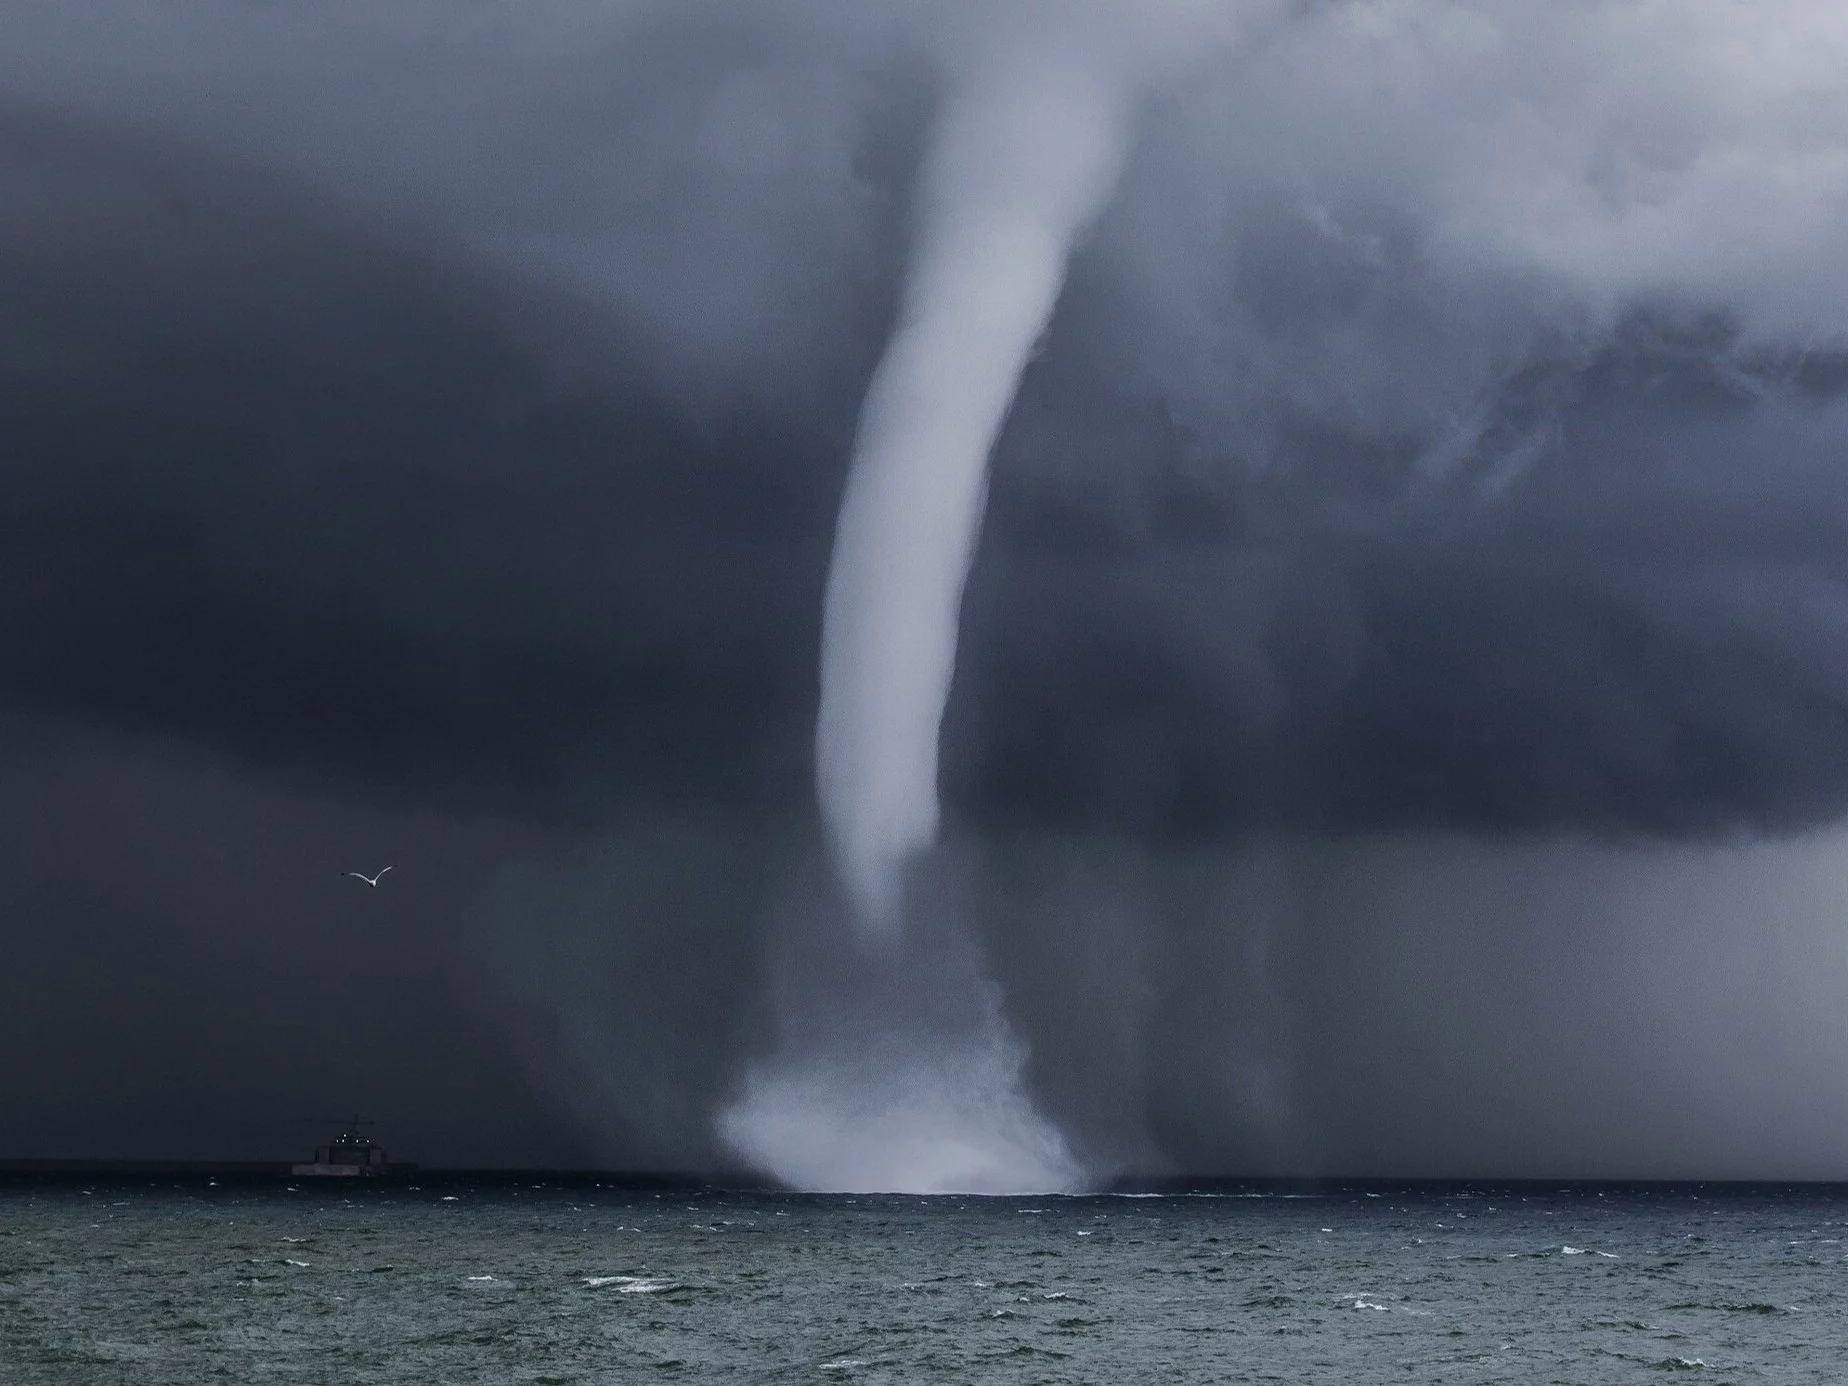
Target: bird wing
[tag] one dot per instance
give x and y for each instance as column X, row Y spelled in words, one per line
column 384, row 869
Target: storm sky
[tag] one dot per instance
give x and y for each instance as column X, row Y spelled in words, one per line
column 1400, row 723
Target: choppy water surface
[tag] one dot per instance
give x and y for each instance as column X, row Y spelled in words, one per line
column 457, row 1282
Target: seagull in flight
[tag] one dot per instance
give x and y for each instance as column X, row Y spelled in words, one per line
column 372, row 881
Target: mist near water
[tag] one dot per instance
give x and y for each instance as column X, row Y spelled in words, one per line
column 1343, row 666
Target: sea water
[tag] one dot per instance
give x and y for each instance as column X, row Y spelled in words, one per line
column 469, row 1281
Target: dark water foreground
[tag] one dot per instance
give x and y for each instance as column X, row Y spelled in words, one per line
column 450, row 1282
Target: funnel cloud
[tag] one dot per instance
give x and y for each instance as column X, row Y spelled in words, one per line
column 1018, row 162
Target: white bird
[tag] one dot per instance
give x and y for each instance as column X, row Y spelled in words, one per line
column 369, row 880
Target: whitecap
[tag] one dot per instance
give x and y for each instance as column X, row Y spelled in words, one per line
column 1369, row 1304
column 841, row 1364
column 633, row 1284
column 1572, row 1250
column 481, row 1277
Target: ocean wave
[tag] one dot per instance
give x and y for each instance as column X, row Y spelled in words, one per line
column 634, row 1284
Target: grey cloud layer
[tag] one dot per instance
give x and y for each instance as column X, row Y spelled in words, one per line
column 1402, row 452
column 441, row 410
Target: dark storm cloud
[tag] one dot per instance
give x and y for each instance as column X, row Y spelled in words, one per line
column 424, row 425
column 1646, row 635
column 290, row 490
column 319, row 492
